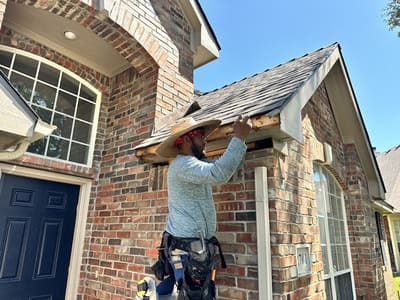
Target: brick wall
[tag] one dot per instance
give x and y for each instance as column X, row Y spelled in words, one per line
column 127, row 208
column 293, row 211
column 365, row 246
column 346, row 167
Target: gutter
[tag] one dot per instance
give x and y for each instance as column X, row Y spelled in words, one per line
column 263, row 234
column 19, row 150
column 41, row 130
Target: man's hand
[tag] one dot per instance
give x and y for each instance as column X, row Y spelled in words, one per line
column 242, row 127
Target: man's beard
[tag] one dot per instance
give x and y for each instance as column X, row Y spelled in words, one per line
column 199, row 154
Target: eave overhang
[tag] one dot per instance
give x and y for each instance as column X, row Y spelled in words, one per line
column 351, row 124
column 264, row 127
column 203, row 40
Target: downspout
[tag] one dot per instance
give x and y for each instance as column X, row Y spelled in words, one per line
column 263, row 234
column 17, row 152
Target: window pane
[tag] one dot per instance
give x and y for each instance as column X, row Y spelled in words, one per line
column 87, row 94
column 25, row 65
column 48, row 74
column 79, row 153
column 5, row 58
column 346, row 264
column 344, row 290
column 342, row 236
column 69, row 84
column 333, row 202
column 328, row 289
column 66, row 103
column 334, row 253
column 44, row 114
column 325, row 259
column 5, row 71
column 318, row 190
column 44, row 95
column 57, row 148
column 332, row 229
column 64, row 125
column 341, row 254
column 23, row 84
column 321, row 223
column 340, row 208
column 331, row 185
column 85, row 110
column 38, row 147
column 82, row 132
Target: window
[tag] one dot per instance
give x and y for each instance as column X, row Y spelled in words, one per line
column 396, row 225
column 59, row 98
column 333, row 235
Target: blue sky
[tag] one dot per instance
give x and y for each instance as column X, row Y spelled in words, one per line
column 260, row 34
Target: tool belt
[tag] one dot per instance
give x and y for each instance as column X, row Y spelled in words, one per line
column 191, row 245
column 203, row 256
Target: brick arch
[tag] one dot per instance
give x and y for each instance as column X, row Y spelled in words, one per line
column 140, row 49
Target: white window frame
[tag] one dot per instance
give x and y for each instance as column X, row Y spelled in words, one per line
column 97, row 103
column 332, row 273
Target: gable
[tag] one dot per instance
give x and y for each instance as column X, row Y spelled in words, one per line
column 274, row 100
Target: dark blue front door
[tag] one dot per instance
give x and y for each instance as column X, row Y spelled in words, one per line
column 37, row 219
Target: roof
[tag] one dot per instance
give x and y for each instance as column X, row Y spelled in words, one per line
column 18, row 118
column 389, row 164
column 259, row 94
column 19, row 125
column 274, row 100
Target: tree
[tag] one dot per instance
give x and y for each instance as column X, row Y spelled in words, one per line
column 392, row 12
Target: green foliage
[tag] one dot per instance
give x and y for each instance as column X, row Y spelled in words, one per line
column 392, row 13
column 396, row 279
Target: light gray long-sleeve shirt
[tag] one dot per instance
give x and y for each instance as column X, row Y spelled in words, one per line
column 190, row 201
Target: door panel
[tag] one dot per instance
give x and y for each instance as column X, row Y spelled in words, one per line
column 37, row 219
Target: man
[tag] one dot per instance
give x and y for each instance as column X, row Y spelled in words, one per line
column 189, row 241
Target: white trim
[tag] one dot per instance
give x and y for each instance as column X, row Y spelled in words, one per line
column 291, row 111
column 79, row 79
column 263, row 235
column 80, row 220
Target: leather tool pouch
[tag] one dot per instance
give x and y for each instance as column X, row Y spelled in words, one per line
column 162, row 266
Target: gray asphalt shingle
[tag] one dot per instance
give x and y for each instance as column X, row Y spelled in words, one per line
column 255, row 95
column 389, row 165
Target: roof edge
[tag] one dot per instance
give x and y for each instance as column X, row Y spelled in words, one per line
column 204, row 42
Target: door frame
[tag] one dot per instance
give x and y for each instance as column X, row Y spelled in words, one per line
column 80, row 220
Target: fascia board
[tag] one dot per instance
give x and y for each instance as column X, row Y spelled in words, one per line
column 351, row 125
column 203, row 40
column 291, row 110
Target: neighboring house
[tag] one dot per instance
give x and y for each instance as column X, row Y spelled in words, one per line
column 389, row 165
column 82, row 212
